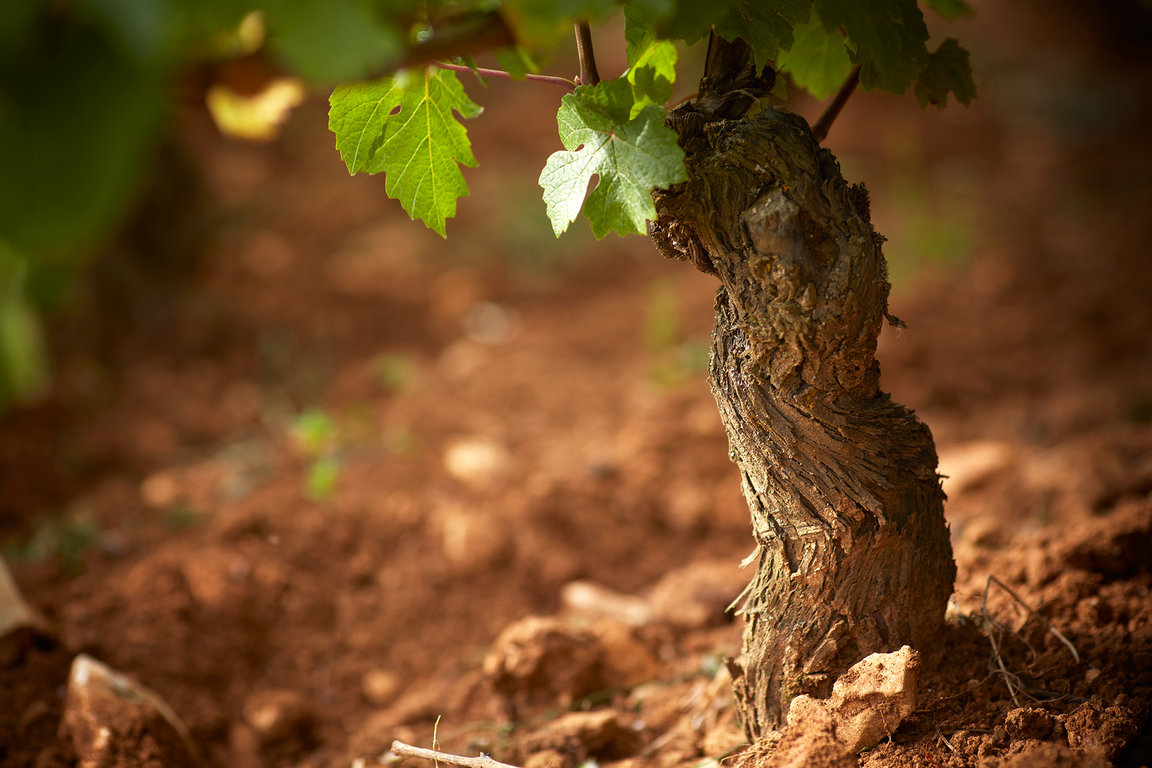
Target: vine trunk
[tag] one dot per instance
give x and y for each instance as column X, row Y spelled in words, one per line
column 852, row 550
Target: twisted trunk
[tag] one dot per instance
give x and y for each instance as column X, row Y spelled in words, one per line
column 847, row 510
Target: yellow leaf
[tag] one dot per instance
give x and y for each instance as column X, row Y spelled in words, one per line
column 255, row 117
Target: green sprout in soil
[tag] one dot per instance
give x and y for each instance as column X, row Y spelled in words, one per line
column 316, row 434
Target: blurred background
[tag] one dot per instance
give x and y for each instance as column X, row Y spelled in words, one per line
column 273, row 423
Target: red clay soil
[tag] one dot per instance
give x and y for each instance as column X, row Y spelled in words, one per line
column 533, row 528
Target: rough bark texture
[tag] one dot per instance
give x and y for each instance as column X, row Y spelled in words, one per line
column 847, row 510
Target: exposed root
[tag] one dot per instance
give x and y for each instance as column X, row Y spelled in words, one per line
column 995, row 631
column 941, row 737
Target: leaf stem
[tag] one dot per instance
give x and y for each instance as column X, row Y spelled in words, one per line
column 588, row 73
column 562, row 82
column 824, row 123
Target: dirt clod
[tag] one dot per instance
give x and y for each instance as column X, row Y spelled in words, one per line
column 1028, row 723
column 696, row 596
column 540, row 660
column 593, row 601
column 577, row 734
column 1106, row 729
column 722, row 739
column 811, row 742
column 278, row 715
column 549, row 758
column 1034, row 754
column 379, row 686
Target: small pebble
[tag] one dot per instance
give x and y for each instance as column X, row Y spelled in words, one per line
column 379, row 686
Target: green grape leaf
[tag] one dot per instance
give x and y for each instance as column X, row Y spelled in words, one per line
column 650, row 10
column 631, row 157
column 947, row 71
column 689, row 20
column 639, row 33
column 766, row 25
column 950, row 9
column 213, row 27
column 888, row 35
column 516, row 61
column 649, row 86
column 660, row 57
column 566, row 10
column 644, row 49
column 468, row 61
column 651, row 65
column 404, row 126
column 818, row 60
column 333, row 41
column 539, row 24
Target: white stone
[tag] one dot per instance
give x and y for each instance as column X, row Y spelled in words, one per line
column 107, row 713
column 869, row 701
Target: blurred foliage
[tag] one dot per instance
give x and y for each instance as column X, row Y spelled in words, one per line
column 64, row 538
column 662, row 318
column 676, row 356
column 87, row 89
column 319, row 438
column 931, row 210
column 314, row 432
column 323, row 474
column 22, row 365
column 258, row 116
column 394, row 371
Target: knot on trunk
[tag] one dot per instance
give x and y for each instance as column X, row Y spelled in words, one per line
column 766, row 211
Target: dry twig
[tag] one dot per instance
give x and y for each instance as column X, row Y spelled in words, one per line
column 992, row 627
column 400, row 749
column 940, row 735
column 1055, row 632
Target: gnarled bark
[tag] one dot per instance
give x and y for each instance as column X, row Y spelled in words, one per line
column 847, row 510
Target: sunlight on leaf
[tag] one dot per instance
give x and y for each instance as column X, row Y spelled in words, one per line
column 404, row 127
column 631, row 157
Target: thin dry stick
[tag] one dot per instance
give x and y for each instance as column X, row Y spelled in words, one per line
column 662, row 739
column 1010, row 679
column 992, row 579
column 400, row 749
column 824, row 123
column 940, row 735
